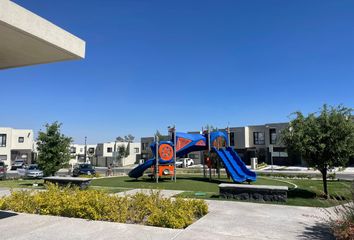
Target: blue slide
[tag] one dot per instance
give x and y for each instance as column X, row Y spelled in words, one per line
column 235, row 166
column 139, row 170
column 250, row 176
column 233, row 169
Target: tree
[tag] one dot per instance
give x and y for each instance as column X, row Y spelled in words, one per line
column 162, row 137
column 53, row 149
column 211, row 127
column 126, row 138
column 123, row 152
column 129, row 138
column 324, row 140
column 119, row 139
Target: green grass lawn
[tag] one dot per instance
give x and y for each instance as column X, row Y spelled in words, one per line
column 308, row 193
column 188, row 183
column 25, row 183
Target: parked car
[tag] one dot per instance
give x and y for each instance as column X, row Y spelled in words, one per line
column 84, row 169
column 30, row 171
column 3, row 170
column 184, row 162
column 18, row 163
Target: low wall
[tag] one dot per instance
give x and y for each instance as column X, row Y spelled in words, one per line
column 263, row 193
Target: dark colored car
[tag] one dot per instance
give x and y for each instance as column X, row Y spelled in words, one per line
column 84, row 169
column 3, row 169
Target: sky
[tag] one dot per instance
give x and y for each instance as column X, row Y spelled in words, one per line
column 154, row 63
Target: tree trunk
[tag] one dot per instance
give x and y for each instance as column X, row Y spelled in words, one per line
column 324, row 179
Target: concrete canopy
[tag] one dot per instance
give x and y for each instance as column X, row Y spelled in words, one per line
column 27, row 39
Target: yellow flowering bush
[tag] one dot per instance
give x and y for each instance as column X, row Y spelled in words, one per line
column 150, row 209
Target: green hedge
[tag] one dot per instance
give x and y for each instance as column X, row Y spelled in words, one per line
column 140, row 208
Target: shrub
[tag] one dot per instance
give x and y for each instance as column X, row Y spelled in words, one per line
column 149, row 209
column 341, row 220
column 2, row 205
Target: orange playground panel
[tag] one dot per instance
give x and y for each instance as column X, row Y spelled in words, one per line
column 164, row 170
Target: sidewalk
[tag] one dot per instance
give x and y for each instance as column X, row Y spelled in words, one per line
column 164, row 193
column 225, row 220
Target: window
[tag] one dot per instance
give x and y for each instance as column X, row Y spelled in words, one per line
column 2, row 140
column 91, row 150
column 272, row 136
column 81, row 150
column 21, row 139
column 258, row 138
column 144, row 146
column 73, row 150
column 136, row 150
column 232, row 139
column 109, row 149
column 3, row 157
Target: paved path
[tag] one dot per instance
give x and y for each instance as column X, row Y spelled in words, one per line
column 29, row 226
column 236, row 220
column 164, row 193
column 4, row 192
column 225, row 220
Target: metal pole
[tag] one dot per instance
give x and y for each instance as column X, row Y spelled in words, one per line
column 85, row 155
column 174, row 152
column 114, row 155
column 157, row 159
column 203, row 159
column 209, row 144
column 218, row 159
column 271, row 155
column 209, row 147
column 228, row 137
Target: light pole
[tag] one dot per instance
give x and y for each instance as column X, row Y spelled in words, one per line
column 85, row 154
column 270, row 147
column 157, row 158
column 115, row 152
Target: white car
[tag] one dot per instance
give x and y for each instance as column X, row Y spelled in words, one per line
column 31, row 171
column 18, row 163
column 184, row 162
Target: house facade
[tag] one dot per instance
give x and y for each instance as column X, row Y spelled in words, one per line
column 146, row 152
column 16, row 144
column 77, row 153
column 261, row 141
column 107, row 153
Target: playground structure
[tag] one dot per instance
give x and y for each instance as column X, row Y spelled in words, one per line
column 165, row 154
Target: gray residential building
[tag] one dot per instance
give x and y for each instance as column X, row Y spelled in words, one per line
column 146, row 152
column 261, row 141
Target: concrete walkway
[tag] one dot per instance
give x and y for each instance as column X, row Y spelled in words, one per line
column 225, row 220
column 241, row 220
column 4, row 192
column 163, row 193
column 29, row 226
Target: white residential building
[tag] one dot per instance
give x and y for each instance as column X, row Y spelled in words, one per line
column 77, row 152
column 106, row 153
column 16, row 144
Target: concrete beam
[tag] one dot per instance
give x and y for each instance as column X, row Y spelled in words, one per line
column 27, row 39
